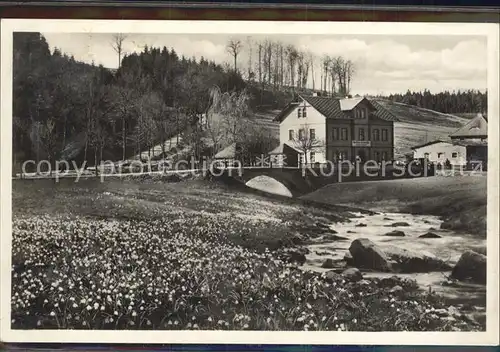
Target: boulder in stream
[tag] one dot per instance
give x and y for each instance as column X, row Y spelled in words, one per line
column 332, row 275
column 352, row 274
column 407, row 261
column 470, row 267
column 366, row 254
column 348, row 259
column 395, row 233
column 297, row 255
column 328, row 264
column 322, row 225
column 399, row 224
column 396, row 289
column 429, row 235
column 333, row 237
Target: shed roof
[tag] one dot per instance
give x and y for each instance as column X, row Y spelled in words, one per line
column 430, row 143
column 471, row 143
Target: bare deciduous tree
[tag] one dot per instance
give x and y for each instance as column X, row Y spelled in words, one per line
column 234, row 47
column 306, row 141
column 292, row 57
column 312, row 62
column 117, row 44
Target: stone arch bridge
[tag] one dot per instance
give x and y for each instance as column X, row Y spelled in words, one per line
column 300, row 181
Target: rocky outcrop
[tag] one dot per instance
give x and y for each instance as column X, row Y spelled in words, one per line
column 406, row 261
column 395, row 233
column 430, row 235
column 470, row 267
column 365, row 254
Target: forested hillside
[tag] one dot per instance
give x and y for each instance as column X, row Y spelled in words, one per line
column 460, row 102
column 65, row 109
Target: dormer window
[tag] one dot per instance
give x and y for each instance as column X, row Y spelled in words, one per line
column 301, row 112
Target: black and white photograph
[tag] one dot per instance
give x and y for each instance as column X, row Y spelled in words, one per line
column 220, row 181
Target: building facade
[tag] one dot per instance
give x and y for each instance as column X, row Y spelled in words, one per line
column 332, row 129
column 437, row 152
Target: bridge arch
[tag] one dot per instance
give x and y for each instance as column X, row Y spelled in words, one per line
column 291, row 179
column 269, row 184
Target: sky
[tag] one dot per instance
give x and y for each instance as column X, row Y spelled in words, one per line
column 384, row 63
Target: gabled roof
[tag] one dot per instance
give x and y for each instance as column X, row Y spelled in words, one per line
column 350, row 103
column 430, row 143
column 284, row 113
column 281, row 149
column 383, row 113
column 227, row 153
column 475, row 128
column 334, row 108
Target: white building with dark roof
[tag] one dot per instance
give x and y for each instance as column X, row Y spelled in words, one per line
column 346, row 129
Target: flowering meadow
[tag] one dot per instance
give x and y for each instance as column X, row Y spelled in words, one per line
column 183, row 267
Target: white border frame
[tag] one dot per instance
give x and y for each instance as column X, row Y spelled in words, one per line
column 491, row 31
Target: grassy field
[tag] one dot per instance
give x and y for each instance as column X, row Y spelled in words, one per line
column 460, row 200
column 132, row 254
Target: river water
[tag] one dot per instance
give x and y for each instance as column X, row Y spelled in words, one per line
column 449, row 248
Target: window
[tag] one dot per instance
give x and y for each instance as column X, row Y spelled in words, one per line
column 376, row 134
column 454, row 155
column 363, row 113
column 304, row 112
column 376, row 156
column 341, row 155
column 291, row 135
column 335, row 134
column 384, row 135
column 384, row 155
column 440, row 155
column 344, row 134
column 361, row 134
column 312, row 134
column 426, row 155
column 299, row 113
column 312, row 157
column 301, row 134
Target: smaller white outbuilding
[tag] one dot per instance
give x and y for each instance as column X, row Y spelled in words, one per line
column 439, row 151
